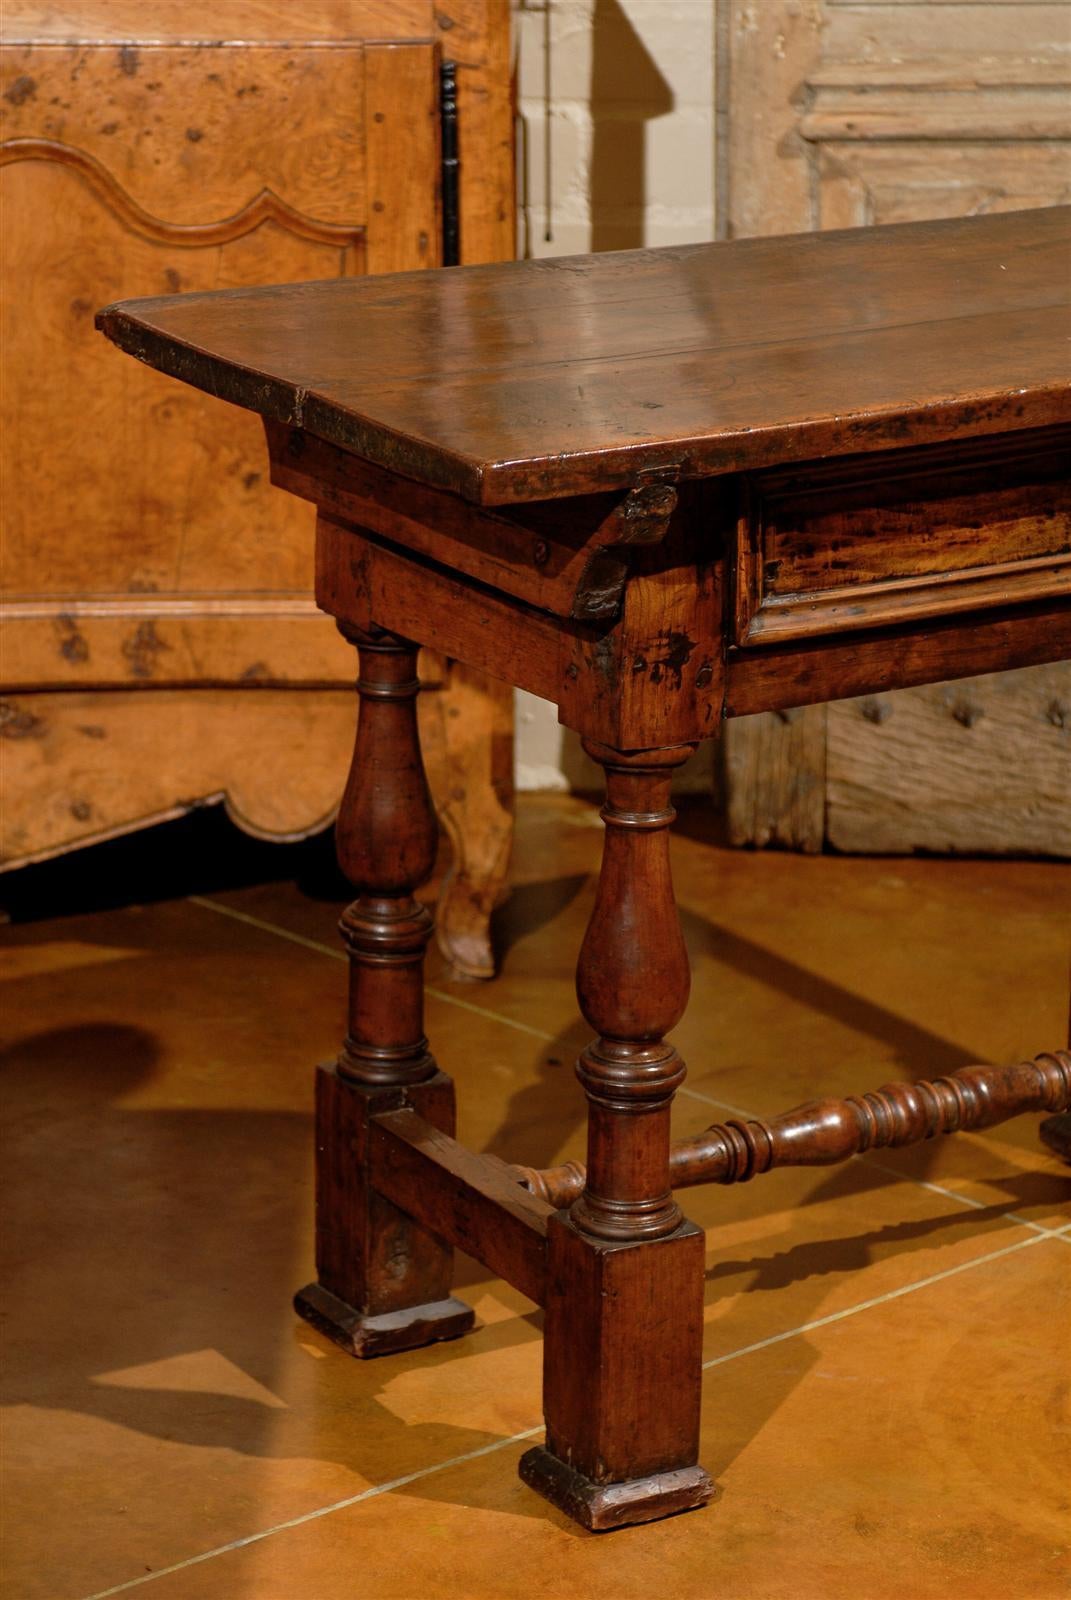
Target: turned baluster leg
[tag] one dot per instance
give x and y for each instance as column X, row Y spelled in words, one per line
column 623, row 1335
column 1056, row 1131
column 383, row 1282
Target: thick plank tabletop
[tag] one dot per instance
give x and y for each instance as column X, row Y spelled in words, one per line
column 544, row 378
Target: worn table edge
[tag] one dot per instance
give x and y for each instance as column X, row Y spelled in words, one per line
column 510, row 482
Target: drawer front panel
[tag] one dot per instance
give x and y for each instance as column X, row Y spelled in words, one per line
column 831, row 546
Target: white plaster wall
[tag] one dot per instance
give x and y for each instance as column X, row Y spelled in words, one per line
column 616, row 150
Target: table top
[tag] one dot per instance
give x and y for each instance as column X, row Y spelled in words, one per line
column 537, row 379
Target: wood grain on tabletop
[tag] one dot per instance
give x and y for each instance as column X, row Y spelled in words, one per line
column 542, row 378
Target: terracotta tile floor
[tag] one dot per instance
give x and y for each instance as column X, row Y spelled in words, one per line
column 887, row 1356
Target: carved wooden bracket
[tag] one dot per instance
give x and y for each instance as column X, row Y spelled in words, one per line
column 643, row 517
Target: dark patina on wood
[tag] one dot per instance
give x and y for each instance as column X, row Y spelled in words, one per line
column 540, row 379
column 383, row 1280
column 659, row 488
column 822, row 1133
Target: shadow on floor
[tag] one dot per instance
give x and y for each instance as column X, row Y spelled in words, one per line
column 134, row 1230
column 543, row 1115
column 200, row 853
column 140, row 1235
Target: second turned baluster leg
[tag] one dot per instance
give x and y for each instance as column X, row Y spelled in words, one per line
column 623, row 1338
column 383, row 1282
column 1056, row 1131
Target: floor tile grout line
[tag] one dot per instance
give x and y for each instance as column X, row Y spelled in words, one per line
column 963, row 1199
column 266, row 927
column 539, row 1033
column 340, row 955
column 374, row 1490
column 370, row 1493
column 878, row 1300
column 721, row 1105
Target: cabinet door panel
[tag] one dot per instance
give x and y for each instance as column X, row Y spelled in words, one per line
column 193, row 133
column 143, row 546
column 193, row 168
column 161, row 643
column 122, row 480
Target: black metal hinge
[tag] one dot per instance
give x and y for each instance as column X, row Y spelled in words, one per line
column 451, row 164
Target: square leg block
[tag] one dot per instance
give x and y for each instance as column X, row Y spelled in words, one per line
column 383, row 1282
column 621, row 1376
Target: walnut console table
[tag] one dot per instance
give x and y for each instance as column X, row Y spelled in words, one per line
column 658, row 488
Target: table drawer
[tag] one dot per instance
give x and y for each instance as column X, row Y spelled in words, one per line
column 872, row 541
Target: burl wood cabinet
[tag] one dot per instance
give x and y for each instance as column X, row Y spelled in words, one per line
column 839, row 115
column 161, row 644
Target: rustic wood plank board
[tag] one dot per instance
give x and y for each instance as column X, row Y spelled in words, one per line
column 531, row 380
column 954, row 767
column 841, row 115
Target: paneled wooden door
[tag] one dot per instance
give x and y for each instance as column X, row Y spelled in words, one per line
column 161, row 645
column 839, row 113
